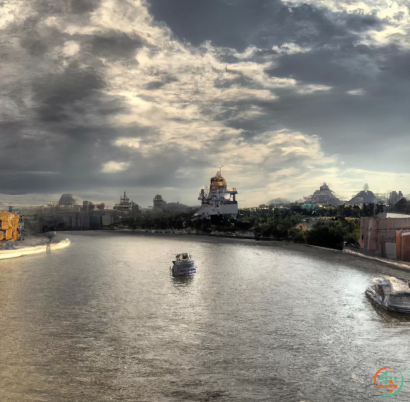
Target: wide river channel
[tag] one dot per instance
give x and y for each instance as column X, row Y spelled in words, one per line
column 103, row 320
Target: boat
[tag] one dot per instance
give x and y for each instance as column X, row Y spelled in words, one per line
column 391, row 293
column 183, row 265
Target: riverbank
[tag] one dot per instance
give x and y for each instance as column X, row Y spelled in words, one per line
column 402, row 265
column 40, row 249
column 245, row 235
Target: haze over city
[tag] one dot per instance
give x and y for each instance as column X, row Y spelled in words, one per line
column 152, row 97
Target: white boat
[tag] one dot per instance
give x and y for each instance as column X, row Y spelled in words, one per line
column 390, row 293
column 183, row 265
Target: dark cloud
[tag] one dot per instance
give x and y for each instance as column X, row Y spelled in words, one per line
column 261, row 23
column 34, row 46
column 84, row 6
column 165, row 79
column 359, row 23
column 76, row 7
column 58, row 92
column 335, row 66
column 114, row 44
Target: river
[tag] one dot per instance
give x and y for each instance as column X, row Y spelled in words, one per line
column 260, row 321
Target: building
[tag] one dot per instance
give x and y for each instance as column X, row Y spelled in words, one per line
column 395, row 197
column 391, row 215
column 159, row 203
column 63, row 220
column 67, row 199
column 323, row 196
column 310, row 207
column 177, row 207
column 364, row 197
column 90, row 206
column 125, row 205
column 403, row 245
column 378, row 235
column 220, row 201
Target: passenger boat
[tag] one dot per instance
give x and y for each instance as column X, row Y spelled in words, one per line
column 183, row 265
column 391, row 293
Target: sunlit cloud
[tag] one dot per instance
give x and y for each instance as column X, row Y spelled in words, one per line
column 113, row 167
column 357, row 92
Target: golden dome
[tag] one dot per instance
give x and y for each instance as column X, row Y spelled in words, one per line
column 218, row 180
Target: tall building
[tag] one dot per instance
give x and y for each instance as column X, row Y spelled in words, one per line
column 220, row 200
column 364, row 197
column 159, row 203
column 395, row 197
column 323, row 196
column 125, row 204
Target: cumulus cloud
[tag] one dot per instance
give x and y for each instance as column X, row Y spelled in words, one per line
column 101, row 96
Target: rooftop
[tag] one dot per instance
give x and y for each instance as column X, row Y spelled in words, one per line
column 392, row 215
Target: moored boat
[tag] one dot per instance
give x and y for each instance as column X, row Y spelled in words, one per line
column 183, row 265
column 391, row 293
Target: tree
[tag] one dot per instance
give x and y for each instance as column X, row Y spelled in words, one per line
column 368, row 209
column 401, row 206
column 297, row 235
column 379, row 208
column 326, row 235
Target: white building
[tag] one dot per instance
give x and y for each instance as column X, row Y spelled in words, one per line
column 219, row 201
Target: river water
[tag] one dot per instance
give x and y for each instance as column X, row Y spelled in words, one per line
column 104, row 321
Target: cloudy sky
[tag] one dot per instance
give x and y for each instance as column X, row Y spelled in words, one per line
column 102, row 96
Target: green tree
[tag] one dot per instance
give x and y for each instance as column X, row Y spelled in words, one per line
column 327, row 235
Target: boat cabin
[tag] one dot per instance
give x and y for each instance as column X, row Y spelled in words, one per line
column 392, row 290
column 183, row 256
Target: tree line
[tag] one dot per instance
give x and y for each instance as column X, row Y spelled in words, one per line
column 330, row 226
column 326, row 226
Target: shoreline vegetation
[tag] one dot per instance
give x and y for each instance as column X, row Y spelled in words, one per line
column 330, row 227
column 324, row 226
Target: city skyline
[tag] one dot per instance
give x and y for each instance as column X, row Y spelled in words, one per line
column 152, row 96
column 39, row 201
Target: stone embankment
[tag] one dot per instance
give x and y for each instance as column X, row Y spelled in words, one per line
column 246, row 235
column 405, row 266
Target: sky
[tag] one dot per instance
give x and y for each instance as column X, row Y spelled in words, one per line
column 151, row 97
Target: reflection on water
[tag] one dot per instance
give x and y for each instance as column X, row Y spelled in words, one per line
column 182, row 280
column 105, row 320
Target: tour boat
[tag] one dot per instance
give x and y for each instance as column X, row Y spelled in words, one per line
column 183, row 265
column 390, row 293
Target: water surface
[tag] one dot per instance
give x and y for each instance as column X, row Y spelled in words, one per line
column 104, row 321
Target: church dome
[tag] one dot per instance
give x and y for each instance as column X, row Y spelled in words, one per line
column 218, row 180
